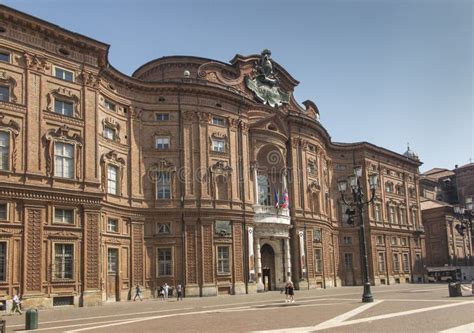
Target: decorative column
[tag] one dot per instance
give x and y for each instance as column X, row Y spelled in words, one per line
column 288, row 259
column 260, row 286
column 255, row 177
column 251, row 255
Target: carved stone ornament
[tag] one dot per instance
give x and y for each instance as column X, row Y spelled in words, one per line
column 314, row 186
column 88, row 79
column 221, row 167
column 10, row 82
column 264, row 84
column 35, row 62
column 63, row 94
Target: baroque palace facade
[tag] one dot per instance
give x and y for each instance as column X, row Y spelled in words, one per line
column 190, row 171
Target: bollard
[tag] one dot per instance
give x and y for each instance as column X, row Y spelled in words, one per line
column 31, row 319
column 3, row 326
column 472, row 287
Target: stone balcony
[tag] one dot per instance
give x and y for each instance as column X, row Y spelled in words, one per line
column 270, row 214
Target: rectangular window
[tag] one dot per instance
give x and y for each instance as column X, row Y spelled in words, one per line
column 402, row 217
column 112, row 225
column 406, row 262
column 110, row 105
column 414, row 217
column 347, row 240
column 404, row 241
column 3, row 261
column 4, row 151
column 218, row 145
column 165, row 262
column 396, row 263
column 162, row 142
column 4, row 93
column 109, row 133
column 65, row 216
column 318, row 261
column 162, row 116
column 112, row 261
column 393, row 241
column 4, row 56
column 163, row 185
column 223, row 259
column 378, row 212
column 63, row 74
column 391, row 217
column 112, row 177
column 380, row 240
column 63, row 107
column 381, row 262
column 164, row 228
column 218, row 121
column 63, row 261
column 348, row 261
column 63, row 160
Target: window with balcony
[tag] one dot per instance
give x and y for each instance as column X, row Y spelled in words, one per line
column 63, row 261
column 63, row 160
column 264, row 197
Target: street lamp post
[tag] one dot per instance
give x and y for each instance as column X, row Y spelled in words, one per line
column 359, row 202
column 465, row 215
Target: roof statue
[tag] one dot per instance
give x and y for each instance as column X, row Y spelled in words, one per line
column 265, row 83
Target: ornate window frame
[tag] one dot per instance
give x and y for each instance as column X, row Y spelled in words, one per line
column 62, row 135
column 110, row 123
column 221, row 137
column 53, row 260
column 12, row 129
column 112, row 158
column 221, row 168
column 7, row 80
column 63, row 94
column 166, row 166
column 53, row 218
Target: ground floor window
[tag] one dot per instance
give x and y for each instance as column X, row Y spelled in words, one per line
column 348, row 261
column 63, row 261
column 396, row 262
column 223, row 259
column 3, row 261
column 165, row 262
column 318, row 264
column 406, row 263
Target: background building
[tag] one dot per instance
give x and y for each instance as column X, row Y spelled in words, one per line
column 191, row 170
column 442, row 191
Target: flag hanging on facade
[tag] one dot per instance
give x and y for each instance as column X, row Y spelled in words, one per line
column 284, row 201
column 277, row 199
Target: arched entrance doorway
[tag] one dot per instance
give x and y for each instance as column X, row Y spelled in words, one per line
column 268, row 267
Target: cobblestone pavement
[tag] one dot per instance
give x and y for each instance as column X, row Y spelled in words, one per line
column 399, row 308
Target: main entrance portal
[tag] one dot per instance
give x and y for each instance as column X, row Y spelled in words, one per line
column 268, row 267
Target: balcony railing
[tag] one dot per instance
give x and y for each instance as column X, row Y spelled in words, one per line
column 270, row 214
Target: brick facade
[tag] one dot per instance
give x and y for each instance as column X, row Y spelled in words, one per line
column 163, row 181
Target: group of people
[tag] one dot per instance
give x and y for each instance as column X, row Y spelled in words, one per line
column 163, row 292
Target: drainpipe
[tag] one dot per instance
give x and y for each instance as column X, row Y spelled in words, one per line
column 181, row 188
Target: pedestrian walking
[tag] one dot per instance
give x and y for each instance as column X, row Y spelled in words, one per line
column 179, row 292
column 138, row 293
column 161, row 293
column 287, row 297
column 16, row 305
column 291, row 292
column 166, row 288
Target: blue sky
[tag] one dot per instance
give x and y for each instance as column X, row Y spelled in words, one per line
column 388, row 72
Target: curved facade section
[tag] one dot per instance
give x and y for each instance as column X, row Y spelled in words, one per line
column 191, row 171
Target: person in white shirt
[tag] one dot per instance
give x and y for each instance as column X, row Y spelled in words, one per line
column 16, row 304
